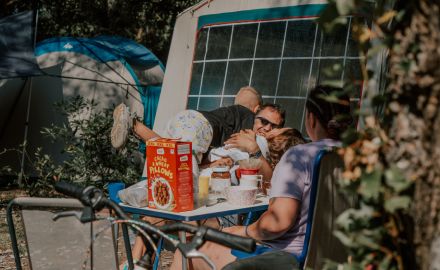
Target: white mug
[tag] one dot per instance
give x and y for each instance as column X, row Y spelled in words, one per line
column 250, row 180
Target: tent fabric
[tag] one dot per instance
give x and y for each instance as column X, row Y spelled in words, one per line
column 17, row 46
column 94, row 68
column 144, row 67
column 102, row 48
column 134, row 53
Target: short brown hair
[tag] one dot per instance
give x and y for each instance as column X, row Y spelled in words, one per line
column 277, row 108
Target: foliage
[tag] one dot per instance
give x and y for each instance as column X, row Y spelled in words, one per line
column 89, row 156
column 378, row 232
column 5, row 169
column 148, row 22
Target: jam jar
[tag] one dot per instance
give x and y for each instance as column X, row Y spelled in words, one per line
column 220, row 179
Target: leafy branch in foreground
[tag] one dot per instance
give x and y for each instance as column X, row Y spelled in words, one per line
column 379, row 157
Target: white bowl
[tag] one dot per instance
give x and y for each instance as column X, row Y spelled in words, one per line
column 240, row 195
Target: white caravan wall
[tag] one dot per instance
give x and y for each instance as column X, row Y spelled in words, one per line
column 179, row 65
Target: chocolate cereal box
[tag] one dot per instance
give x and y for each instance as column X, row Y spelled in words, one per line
column 169, row 171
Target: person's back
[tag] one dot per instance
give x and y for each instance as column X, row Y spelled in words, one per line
column 226, row 121
column 293, row 174
column 297, row 172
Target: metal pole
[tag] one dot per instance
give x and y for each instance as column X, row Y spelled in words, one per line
column 26, row 124
column 12, row 234
column 26, row 130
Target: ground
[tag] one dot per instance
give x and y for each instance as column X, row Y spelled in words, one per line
column 7, row 261
column 6, row 256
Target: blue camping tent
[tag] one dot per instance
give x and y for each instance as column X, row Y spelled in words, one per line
column 120, row 61
column 107, row 69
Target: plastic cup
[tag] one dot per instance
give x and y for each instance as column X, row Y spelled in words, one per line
column 203, row 184
column 113, row 189
column 201, row 197
column 239, row 172
column 248, row 180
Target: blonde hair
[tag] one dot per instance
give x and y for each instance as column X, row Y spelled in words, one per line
column 279, row 144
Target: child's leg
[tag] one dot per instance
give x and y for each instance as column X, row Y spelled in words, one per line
column 124, row 123
column 138, row 248
column 143, row 131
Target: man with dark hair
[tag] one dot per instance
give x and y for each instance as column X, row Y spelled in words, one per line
column 269, row 116
column 275, row 108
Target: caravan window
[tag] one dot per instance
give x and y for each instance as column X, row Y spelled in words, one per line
column 282, row 59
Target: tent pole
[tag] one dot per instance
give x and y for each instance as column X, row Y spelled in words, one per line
column 26, row 124
column 26, row 130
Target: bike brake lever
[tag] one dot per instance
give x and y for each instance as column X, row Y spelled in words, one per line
column 64, row 214
column 197, row 241
column 197, row 254
column 86, row 215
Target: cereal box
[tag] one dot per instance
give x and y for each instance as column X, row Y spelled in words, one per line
column 169, row 171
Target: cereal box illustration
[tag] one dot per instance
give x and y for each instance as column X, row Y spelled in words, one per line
column 169, row 171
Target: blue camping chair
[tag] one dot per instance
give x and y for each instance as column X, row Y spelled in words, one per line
column 326, row 204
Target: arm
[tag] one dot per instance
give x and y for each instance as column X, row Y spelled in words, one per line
column 275, row 222
column 143, row 132
column 265, row 169
column 225, row 161
column 246, row 141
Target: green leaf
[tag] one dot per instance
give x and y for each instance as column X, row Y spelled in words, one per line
column 385, row 263
column 370, row 185
column 333, row 83
column 345, row 7
column 350, row 136
column 351, row 219
column 396, row 203
column 368, row 241
column 345, row 240
column 396, row 180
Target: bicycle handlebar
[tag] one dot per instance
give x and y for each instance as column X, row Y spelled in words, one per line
column 226, row 239
column 91, row 196
column 231, row 240
column 70, row 190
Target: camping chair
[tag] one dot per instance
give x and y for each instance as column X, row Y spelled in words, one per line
column 64, row 243
column 326, row 204
column 320, row 244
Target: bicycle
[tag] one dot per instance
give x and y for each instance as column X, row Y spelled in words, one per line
column 94, row 200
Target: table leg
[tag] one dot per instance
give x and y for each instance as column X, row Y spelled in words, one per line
column 248, row 219
column 115, row 235
column 157, row 257
column 182, row 238
column 127, row 246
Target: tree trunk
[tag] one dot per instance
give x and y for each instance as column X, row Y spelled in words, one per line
column 415, row 128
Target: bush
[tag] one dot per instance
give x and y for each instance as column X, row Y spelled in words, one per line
column 90, row 158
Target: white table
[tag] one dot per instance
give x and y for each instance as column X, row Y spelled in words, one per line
column 204, row 212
